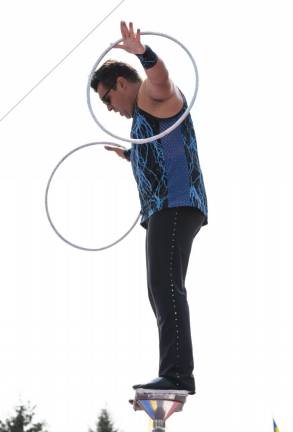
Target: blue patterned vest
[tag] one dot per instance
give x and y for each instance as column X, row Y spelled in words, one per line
column 167, row 171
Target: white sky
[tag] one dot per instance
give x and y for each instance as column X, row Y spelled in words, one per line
column 76, row 329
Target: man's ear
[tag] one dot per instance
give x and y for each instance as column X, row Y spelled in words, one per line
column 121, row 83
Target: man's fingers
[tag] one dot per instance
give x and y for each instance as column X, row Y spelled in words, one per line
column 119, row 46
column 131, row 32
column 124, row 29
column 115, row 149
column 138, row 35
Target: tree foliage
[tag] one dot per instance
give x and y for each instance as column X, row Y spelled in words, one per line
column 22, row 421
column 104, row 423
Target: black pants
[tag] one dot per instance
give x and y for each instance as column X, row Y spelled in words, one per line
column 169, row 237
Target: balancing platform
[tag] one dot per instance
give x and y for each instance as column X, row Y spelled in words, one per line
column 159, row 404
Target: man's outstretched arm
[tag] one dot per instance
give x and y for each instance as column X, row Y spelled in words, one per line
column 158, row 85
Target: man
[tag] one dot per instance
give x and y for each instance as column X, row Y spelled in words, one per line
column 171, row 191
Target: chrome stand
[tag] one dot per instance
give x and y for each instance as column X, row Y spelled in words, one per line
column 159, row 405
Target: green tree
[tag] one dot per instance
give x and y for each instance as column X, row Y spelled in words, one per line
column 22, row 421
column 104, row 423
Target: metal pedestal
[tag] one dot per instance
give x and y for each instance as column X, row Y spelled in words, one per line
column 159, row 405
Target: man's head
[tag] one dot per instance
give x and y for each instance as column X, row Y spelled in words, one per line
column 117, row 84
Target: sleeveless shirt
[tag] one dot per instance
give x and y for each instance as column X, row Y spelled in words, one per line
column 167, row 171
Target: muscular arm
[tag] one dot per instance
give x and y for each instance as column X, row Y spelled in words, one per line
column 158, row 87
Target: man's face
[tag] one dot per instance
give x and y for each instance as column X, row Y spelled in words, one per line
column 117, row 98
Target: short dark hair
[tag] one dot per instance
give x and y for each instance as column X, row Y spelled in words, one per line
column 108, row 73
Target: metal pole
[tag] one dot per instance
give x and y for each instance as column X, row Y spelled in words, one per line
column 159, row 425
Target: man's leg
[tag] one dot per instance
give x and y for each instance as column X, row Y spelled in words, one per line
column 170, row 235
column 150, row 294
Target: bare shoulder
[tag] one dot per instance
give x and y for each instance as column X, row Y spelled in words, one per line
column 160, row 108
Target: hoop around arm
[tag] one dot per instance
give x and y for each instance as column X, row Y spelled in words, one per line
column 165, row 132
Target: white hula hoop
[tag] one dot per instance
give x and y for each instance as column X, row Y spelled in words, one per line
column 47, row 206
column 171, row 128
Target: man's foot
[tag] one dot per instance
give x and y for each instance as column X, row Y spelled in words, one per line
column 162, row 383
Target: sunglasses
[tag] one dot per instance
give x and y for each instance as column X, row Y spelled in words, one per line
column 106, row 98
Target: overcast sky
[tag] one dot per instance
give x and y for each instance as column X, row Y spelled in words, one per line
column 76, row 329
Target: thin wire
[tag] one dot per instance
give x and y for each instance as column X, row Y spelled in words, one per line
column 60, row 62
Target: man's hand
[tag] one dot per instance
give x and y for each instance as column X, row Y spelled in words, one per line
column 131, row 40
column 157, row 89
column 117, row 150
